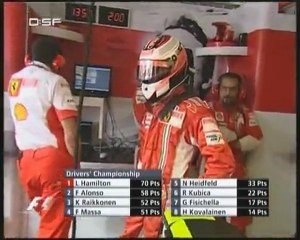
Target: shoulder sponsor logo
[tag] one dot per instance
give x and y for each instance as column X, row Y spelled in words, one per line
column 29, row 82
column 14, row 87
column 70, row 100
column 65, row 100
column 177, row 118
column 209, row 124
column 214, row 138
column 178, row 114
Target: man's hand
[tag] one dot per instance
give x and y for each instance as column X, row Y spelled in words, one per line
column 228, row 134
column 235, row 145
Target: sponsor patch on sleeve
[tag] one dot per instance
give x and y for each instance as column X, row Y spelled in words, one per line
column 68, row 102
column 252, row 120
column 14, row 87
column 177, row 118
column 214, row 138
column 147, row 120
column 63, row 98
column 209, row 124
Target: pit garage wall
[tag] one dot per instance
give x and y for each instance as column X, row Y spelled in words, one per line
column 270, row 69
column 274, row 159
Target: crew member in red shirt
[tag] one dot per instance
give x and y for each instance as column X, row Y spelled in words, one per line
column 238, row 126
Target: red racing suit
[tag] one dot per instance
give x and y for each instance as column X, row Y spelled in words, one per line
column 242, row 126
column 170, row 143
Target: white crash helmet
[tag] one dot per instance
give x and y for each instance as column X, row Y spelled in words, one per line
column 163, row 65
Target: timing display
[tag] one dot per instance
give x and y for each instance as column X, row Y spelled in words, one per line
column 113, row 16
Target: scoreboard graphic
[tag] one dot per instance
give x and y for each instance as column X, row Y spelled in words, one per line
column 220, row 197
column 100, row 192
column 113, row 193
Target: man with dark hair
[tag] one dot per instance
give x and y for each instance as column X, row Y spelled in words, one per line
column 238, row 126
column 44, row 115
column 45, row 54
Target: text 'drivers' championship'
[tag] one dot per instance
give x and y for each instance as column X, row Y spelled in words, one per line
column 113, row 193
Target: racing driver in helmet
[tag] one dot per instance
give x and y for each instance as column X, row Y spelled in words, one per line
column 174, row 126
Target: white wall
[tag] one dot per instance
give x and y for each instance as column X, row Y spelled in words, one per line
column 261, row 15
column 276, row 159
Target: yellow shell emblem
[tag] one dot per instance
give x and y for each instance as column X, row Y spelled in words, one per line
column 20, row 112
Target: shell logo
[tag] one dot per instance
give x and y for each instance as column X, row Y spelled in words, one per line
column 20, row 112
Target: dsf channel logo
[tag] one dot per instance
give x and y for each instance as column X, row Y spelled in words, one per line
column 45, row 22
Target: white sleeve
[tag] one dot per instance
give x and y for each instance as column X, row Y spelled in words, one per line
column 62, row 100
column 228, row 134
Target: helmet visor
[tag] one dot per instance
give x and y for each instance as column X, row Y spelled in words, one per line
column 152, row 71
